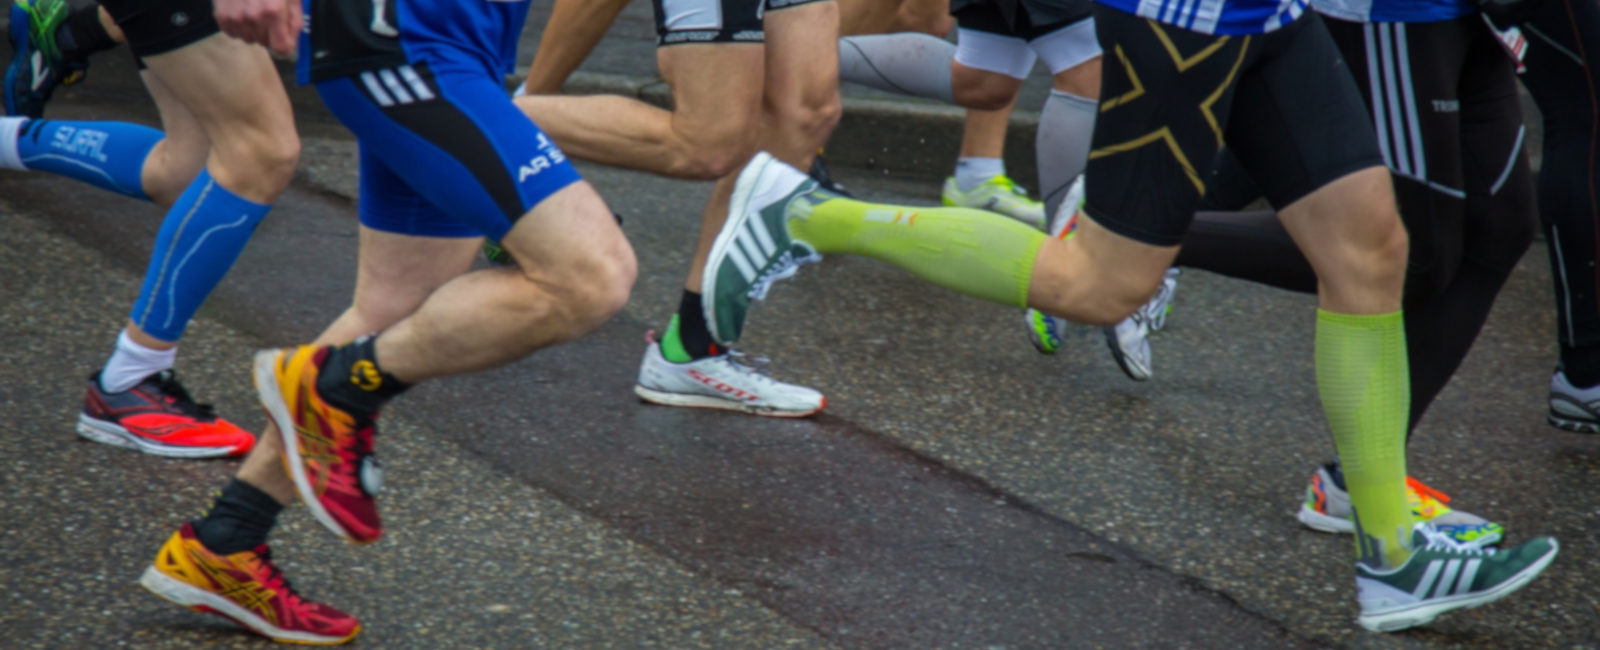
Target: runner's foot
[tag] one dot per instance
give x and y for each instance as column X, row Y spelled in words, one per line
column 1327, row 508
column 37, row 65
column 729, row 381
column 999, row 194
column 1572, row 408
column 754, row 248
column 246, row 588
column 1129, row 340
column 327, row 451
column 1443, row 575
column 158, row 417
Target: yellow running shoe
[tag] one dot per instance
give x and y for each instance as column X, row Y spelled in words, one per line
column 246, row 588
column 999, row 195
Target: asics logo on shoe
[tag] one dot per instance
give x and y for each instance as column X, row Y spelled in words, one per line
column 716, row 384
column 40, row 73
column 364, row 374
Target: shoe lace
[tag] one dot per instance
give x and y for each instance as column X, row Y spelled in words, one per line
column 173, row 392
column 1439, row 541
column 1425, row 491
column 1155, row 311
column 784, row 268
column 275, row 578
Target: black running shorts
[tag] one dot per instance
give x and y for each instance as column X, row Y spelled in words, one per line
column 715, row 21
column 1027, row 21
column 1283, row 101
column 159, row 26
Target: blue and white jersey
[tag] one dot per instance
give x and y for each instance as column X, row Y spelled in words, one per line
column 1395, row 11
column 345, row 37
column 1216, row 16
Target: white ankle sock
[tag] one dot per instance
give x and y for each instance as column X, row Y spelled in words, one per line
column 131, row 363
column 9, row 158
column 972, row 172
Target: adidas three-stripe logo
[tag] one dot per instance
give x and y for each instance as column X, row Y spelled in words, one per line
column 400, row 85
column 1442, row 574
column 754, row 247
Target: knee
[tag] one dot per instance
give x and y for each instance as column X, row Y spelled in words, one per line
column 983, row 97
column 814, row 117
column 599, row 286
column 711, row 151
column 260, row 162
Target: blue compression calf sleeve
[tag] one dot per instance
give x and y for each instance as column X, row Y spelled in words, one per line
column 107, row 155
column 203, row 234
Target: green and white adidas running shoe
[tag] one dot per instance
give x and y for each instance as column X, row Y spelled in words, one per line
column 1443, row 575
column 754, row 248
column 999, row 195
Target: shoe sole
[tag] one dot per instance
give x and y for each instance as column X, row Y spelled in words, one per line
column 1575, row 426
column 115, row 435
column 744, row 190
column 1424, row 612
column 187, row 595
column 1129, row 368
column 271, row 395
column 1324, row 523
column 709, row 402
column 1033, row 335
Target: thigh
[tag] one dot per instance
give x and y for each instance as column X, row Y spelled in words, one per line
column 454, row 138
column 1161, row 121
column 1298, row 122
column 227, row 85
column 802, row 54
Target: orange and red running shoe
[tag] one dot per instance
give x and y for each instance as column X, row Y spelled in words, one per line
column 158, row 417
column 327, row 451
column 245, row 587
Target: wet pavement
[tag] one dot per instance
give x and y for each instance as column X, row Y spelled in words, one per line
column 961, row 491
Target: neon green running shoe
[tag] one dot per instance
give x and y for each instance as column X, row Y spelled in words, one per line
column 1443, row 575
column 999, row 195
column 37, row 65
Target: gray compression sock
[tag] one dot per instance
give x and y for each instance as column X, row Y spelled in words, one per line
column 1066, row 126
column 910, row 64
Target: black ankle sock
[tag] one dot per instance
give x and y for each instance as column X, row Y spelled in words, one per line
column 83, row 35
column 352, row 380
column 238, row 520
column 1581, row 365
column 692, row 330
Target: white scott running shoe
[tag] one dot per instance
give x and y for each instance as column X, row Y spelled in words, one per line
column 1572, row 408
column 730, row 381
column 999, row 195
column 1129, row 340
column 1443, row 575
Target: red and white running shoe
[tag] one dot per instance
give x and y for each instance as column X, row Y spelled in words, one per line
column 158, row 417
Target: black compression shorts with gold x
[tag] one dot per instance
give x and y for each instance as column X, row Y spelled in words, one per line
column 1284, row 102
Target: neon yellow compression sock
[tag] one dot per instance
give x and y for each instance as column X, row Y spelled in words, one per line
column 973, row 252
column 1365, row 384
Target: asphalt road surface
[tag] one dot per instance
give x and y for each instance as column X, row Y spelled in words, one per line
column 961, row 491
